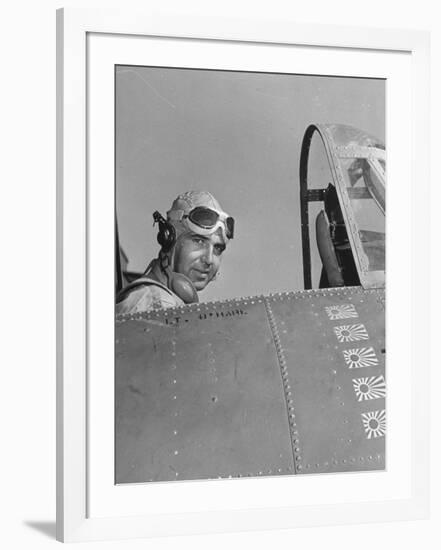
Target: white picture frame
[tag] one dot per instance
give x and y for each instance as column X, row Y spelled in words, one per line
column 77, row 520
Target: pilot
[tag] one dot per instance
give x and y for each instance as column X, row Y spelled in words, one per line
column 193, row 239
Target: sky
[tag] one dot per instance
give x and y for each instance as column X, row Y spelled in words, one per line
column 237, row 135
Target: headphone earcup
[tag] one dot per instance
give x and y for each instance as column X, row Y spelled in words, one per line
column 166, row 235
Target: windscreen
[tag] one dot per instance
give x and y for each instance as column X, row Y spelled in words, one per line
column 365, row 183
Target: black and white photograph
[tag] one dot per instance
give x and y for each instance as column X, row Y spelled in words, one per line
column 249, row 274
column 212, row 354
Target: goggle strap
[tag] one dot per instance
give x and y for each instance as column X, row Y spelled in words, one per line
column 175, row 215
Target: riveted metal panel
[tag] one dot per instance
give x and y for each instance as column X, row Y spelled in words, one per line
column 199, row 395
column 276, row 385
column 333, row 346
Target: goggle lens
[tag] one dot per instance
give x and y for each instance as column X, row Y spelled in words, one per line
column 204, row 217
column 230, row 227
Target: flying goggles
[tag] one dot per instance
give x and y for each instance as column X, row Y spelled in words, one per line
column 205, row 221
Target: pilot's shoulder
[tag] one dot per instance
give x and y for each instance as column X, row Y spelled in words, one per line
column 146, row 297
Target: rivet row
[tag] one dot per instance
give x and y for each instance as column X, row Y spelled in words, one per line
column 285, row 381
column 203, row 307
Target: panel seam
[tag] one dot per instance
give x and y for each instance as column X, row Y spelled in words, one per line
column 287, row 389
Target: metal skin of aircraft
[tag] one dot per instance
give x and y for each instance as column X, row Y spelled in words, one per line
column 284, row 384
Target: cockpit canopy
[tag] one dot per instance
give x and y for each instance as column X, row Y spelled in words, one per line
column 343, row 171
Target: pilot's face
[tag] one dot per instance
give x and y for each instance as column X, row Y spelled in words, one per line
column 198, row 257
